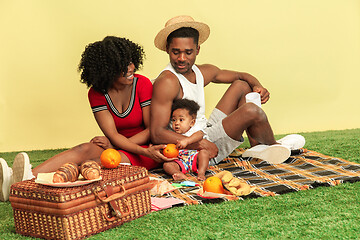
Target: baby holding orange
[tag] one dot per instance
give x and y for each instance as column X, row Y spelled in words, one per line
column 183, row 116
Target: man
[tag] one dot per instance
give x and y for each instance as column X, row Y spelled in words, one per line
column 181, row 39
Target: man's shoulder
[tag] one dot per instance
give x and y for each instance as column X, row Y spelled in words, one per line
column 166, row 77
column 208, row 71
column 166, row 85
column 206, row 66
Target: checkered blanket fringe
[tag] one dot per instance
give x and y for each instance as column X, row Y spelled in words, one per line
column 300, row 172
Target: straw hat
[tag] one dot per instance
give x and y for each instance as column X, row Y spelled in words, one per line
column 179, row 22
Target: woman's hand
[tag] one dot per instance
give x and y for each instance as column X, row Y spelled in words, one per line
column 154, row 152
column 102, row 141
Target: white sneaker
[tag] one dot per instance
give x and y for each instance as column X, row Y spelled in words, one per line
column 292, row 141
column 21, row 168
column 273, row 154
column 5, row 180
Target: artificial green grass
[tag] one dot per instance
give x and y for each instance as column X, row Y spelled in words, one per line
column 322, row 213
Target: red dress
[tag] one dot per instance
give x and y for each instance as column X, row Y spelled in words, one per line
column 129, row 122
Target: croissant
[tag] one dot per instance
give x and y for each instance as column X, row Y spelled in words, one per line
column 69, row 172
column 233, row 184
column 90, row 170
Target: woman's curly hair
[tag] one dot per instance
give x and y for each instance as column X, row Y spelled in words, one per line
column 103, row 62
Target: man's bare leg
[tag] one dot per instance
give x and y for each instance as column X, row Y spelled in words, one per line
column 251, row 118
column 244, row 116
column 233, row 98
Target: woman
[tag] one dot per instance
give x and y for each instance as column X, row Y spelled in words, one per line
column 120, row 101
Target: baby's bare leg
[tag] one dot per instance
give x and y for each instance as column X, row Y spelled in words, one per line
column 173, row 169
column 202, row 163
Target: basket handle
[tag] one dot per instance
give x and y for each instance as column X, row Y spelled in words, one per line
column 111, row 197
column 119, row 214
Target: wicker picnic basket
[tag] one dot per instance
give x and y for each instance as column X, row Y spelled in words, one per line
column 77, row 212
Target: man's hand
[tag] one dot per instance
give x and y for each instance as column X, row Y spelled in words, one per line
column 210, row 147
column 264, row 93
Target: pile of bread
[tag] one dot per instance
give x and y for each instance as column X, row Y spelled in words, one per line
column 233, row 184
column 69, row 172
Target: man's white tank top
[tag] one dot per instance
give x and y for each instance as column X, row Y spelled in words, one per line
column 193, row 92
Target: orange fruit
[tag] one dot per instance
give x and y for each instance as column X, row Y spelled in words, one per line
column 213, row 184
column 110, row 158
column 170, row 151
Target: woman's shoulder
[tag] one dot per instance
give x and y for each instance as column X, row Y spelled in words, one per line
column 92, row 93
column 143, row 81
column 142, row 78
column 144, row 87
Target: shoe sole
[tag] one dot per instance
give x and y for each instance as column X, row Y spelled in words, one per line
column 20, row 166
column 293, row 141
column 274, row 154
column 4, row 181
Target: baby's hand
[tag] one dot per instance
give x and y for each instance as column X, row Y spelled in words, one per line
column 181, row 144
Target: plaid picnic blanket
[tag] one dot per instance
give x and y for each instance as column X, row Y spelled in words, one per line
column 300, row 172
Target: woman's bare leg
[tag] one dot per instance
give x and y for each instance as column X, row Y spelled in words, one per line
column 77, row 154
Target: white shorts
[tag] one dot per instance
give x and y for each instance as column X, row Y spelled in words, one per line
column 215, row 133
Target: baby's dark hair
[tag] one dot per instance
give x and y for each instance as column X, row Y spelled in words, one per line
column 184, row 32
column 187, row 104
column 102, row 62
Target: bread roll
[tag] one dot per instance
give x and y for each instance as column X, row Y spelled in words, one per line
column 69, row 172
column 90, row 170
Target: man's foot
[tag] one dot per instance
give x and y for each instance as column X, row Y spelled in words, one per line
column 273, row 154
column 21, row 168
column 292, row 141
column 179, row 176
column 5, row 180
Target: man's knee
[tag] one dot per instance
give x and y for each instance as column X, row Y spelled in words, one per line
column 253, row 112
column 241, row 86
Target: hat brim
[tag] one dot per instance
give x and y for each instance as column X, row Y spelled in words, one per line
column 161, row 37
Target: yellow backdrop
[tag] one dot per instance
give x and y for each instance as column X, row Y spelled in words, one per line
column 307, row 53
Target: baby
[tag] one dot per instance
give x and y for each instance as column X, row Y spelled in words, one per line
column 183, row 116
